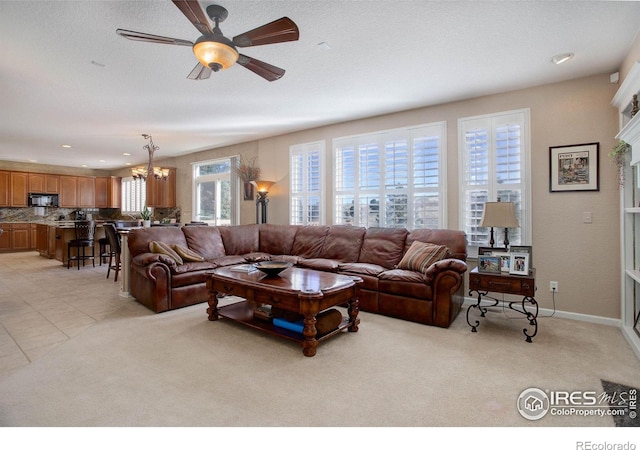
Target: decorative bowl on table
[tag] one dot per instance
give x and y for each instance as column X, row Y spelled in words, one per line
column 272, row 268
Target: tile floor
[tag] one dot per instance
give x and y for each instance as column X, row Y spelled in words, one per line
column 43, row 304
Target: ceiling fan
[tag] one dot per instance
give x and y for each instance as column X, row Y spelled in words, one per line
column 216, row 52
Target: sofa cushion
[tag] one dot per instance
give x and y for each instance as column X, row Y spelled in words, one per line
column 308, row 241
column 240, row 239
column 277, row 239
column 257, row 256
column 383, row 246
column 230, row 260
column 206, row 241
column 187, row 254
column 343, row 243
column 361, row 268
column 326, row 265
column 164, row 249
column 139, row 239
column 455, row 240
column 421, row 255
column 402, row 275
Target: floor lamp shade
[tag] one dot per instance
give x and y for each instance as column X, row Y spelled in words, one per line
column 501, row 215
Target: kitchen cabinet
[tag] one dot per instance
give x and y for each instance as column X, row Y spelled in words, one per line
column 15, row 236
column 5, row 186
column 44, row 183
column 45, row 240
column 5, row 237
column 108, row 192
column 86, row 192
column 68, row 191
column 19, row 184
column 162, row 193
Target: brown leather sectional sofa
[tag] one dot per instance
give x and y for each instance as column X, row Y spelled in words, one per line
column 433, row 297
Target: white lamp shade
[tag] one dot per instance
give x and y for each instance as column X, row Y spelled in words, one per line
column 499, row 214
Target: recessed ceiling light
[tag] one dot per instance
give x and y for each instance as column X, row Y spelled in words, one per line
column 562, row 57
column 65, row 146
column 83, row 165
column 126, row 154
column 101, row 160
column 127, row 164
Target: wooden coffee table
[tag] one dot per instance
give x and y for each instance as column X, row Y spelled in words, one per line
column 302, row 291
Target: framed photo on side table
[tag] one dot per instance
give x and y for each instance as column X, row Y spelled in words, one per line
column 488, row 264
column 524, row 249
column 574, row 168
column 519, row 264
column 505, row 260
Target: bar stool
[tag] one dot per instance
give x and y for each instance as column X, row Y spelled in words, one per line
column 104, row 249
column 115, row 248
column 85, row 231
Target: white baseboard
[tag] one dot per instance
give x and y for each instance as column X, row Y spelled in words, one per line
column 545, row 312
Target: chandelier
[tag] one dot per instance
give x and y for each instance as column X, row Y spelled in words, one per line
column 144, row 172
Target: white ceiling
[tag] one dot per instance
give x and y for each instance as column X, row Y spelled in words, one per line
column 66, row 77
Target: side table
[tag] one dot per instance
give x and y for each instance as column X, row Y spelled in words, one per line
column 525, row 285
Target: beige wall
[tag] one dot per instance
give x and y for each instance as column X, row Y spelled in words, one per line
column 583, row 258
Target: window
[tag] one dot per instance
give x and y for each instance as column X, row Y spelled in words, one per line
column 134, row 195
column 391, row 178
column 495, row 165
column 307, row 172
column 215, row 192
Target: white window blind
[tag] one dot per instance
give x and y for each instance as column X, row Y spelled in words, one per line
column 391, row 178
column 134, row 195
column 306, row 192
column 495, row 165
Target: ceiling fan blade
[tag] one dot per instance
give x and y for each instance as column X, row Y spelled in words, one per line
column 193, row 11
column 266, row 71
column 281, row 30
column 144, row 37
column 199, row 72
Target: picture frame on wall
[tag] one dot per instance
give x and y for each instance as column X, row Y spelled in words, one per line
column 488, row 264
column 574, row 167
column 519, row 264
column 524, row 249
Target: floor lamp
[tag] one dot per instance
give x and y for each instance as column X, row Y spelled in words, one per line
column 261, row 201
column 501, row 215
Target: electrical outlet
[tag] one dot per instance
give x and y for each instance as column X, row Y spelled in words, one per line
column 553, row 286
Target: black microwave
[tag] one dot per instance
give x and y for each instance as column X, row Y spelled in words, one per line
column 36, row 199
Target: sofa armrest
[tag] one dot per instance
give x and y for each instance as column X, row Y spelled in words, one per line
column 144, row 259
column 446, row 279
column 456, row 265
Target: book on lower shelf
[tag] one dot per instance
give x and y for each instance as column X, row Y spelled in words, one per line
column 292, row 326
column 244, row 268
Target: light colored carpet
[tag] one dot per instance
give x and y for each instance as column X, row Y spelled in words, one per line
column 136, row 368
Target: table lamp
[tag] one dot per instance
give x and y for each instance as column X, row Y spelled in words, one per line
column 501, row 215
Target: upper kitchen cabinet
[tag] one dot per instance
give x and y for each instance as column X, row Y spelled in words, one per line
column 86, row 192
column 44, row 183
column 5, row 186
column 19, row 184
column 108, row 191
column 162, row 193
column 68, row 191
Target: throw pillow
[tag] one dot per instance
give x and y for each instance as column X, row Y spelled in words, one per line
column 187, row 254
column 164, row 249
column 421, row 255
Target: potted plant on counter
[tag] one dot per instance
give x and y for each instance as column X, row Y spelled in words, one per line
column 146, row 217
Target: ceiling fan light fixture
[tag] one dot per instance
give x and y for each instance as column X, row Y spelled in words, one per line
column 215, row 52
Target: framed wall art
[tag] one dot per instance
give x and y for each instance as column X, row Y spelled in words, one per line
column 574, row 168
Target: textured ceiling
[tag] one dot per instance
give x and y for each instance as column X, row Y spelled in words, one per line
column 66, row 77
